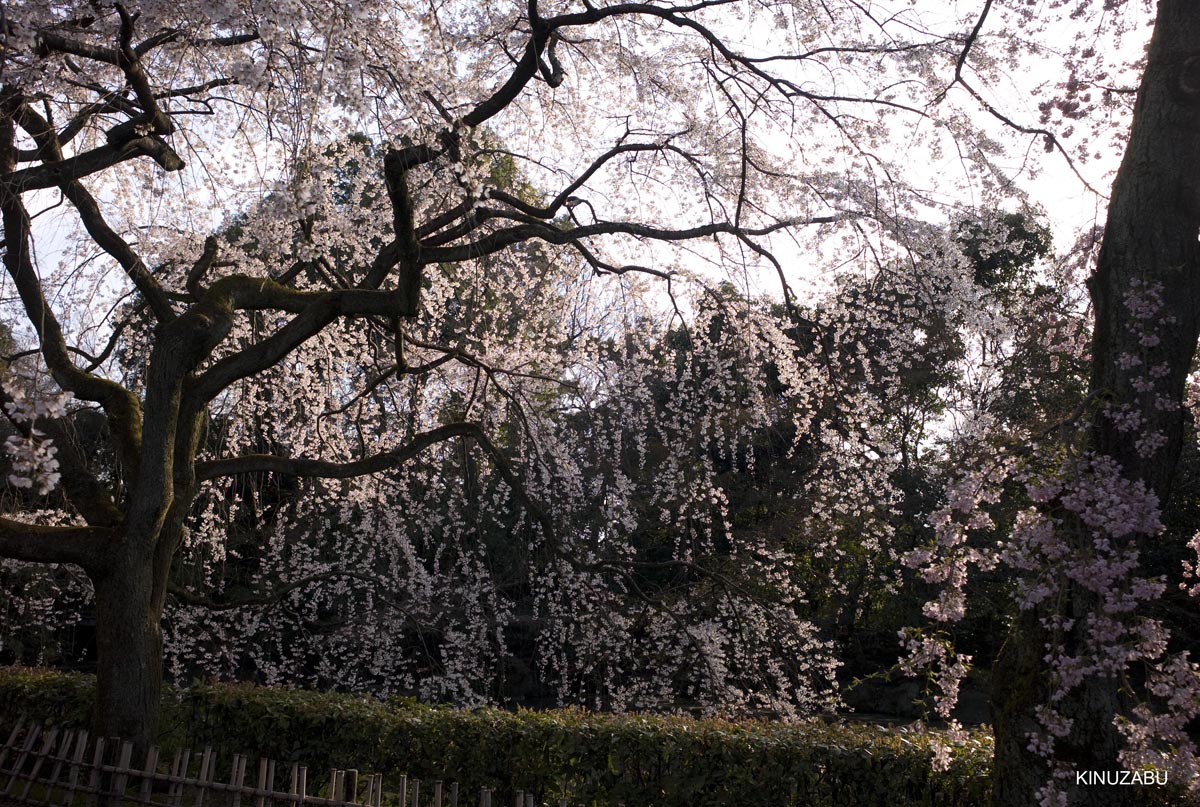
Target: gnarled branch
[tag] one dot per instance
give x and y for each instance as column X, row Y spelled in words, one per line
column 35, row 543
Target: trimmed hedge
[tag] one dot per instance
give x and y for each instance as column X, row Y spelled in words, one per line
column 592, row 759
column 56, row 697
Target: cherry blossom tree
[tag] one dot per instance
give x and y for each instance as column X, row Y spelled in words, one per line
column 1146, row 325
column 343, row 254
column 640, row 134
column 1069, row 694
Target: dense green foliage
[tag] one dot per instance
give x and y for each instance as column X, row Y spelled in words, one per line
column 589, row 758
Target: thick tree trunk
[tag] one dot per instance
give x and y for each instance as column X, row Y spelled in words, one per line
column 1141, row 358
column 1150, row 240
column 129, row 653
column 1018, row 685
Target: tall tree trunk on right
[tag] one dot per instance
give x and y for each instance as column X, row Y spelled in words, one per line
column 1150, row 242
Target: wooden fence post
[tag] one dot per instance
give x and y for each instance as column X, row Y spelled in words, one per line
column 237, row 777
column 179, row 769
column 93, row 788
column 26, row 747
column 149, row 771
column 206, row 766
column 60, row 760
column 39, row 758
column 260, row 796
column 270, row 782
column 121, row 774
column 81, row 739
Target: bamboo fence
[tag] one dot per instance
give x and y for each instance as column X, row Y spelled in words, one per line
column 53, row 767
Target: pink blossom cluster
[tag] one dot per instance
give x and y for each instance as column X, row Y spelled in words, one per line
column 1143, row 303
column 935, row 656
column 32, row 454
column 1156, row 733
column 1077, row 532
column 1191, row 570
column 1078, row 537
column 948, row 562
column 1086, row 494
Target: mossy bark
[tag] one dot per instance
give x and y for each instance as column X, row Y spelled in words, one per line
column 129, row 643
